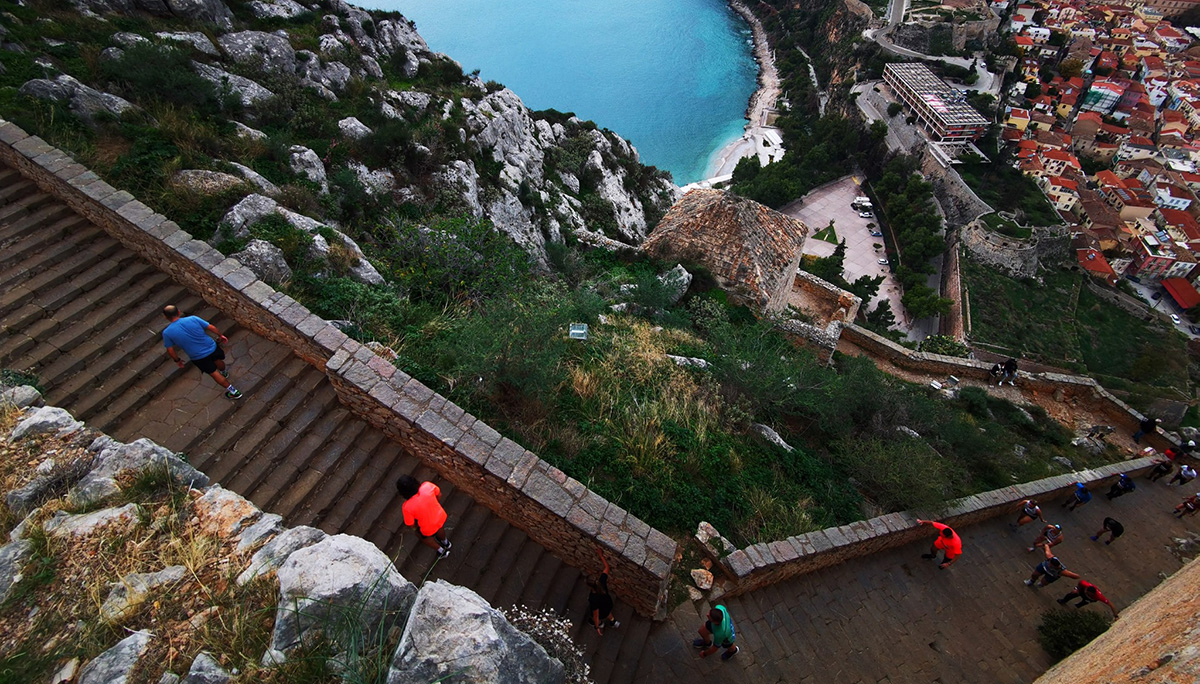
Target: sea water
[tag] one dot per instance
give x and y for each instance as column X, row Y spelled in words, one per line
column 672, row 76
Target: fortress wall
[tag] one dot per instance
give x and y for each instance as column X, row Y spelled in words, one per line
column 556, row 511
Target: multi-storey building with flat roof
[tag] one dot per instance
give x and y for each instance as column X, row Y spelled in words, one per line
column 940, row 109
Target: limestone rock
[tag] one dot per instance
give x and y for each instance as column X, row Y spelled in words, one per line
column 128, row 40
column 168, row 678
column 247, row 133
column 708, row 535
column 22, row 528
column 197, row 40
column 83, row 101
column 1063, row 461
column 112, row 54
column 43, row 421
column 134, row 457
column 125, row 596
column 452, row 630
column 205, row 182
column 253, row 176
column 12, row 561
column 64, row 525
column 305, row 162
column 20, row 397
column 320, row 583
column 223, row 513
column 677, row 281
column 250, row 210
column 327, row 76
column 378, row 182
column 688, row 361
column 276, row 551
column 276, row 9
column 702, row 578
column 66, row 673
column 410, row 99
column 460, row 178
column 266, row 51
column 206, row 670
column 269, row 525
column 695, row 594
column 770, row 436
column 51, row 475
column 266, row 260
column 114, row 665
column 249, row 92
column 353, row 128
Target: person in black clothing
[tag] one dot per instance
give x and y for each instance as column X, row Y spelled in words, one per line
column 995, row 374
column 600, row 603
column 1121, row 487
column 1010, row 372
column 1163, row 466
column 1113, row 528
column 1186, row 448
column 1147, row 426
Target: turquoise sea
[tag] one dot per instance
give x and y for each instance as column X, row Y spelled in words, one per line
column 672, row 76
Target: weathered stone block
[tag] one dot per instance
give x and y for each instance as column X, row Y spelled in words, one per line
column 176, row 239
column 523, row 468
column 739, row 564
column 135, row 211
column 258, row 292
column 485, row 433
column 587, row 524
column 438, row 427
column 10, row 133
column 117, row 200
column 357, row 374
column 312, row 325
column 240, row 278
column 473, row 449
column 548, row 493
column 783, row 551
column 32, row 146
column 384, row 393
column 661, row 544
column 329, row 338
column 595, row 505
column 613, row 536
column 635, row 549
column 820, row 541
column 335, row 362
column 615, row 514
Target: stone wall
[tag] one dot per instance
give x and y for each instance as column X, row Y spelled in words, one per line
column 554, row 510
column 830, row 307
column 917, row 35
column 1153, row 642
column 760, row 565
column 1014, row 256
column 1131, row 305
column 959, row 202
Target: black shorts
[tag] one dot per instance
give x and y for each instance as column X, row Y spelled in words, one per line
column 1115, row 527
column 208, row 364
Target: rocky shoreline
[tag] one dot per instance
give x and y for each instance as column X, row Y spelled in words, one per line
column 763, row 99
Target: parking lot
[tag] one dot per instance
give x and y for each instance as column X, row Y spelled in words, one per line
column 1159, row 300
column 863, row 250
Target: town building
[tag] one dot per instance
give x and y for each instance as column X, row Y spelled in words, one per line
column 939, row 108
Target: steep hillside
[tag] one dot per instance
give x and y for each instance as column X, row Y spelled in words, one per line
column 343, row 121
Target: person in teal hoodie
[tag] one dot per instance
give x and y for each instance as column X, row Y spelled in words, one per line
column 717, row 632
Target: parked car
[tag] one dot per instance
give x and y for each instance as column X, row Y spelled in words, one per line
column 883, row 262
column 1175, row 319
column 1195, row 329
column 1134, row 278
column 876, row 233
column 1156, row 295
column 866, row 214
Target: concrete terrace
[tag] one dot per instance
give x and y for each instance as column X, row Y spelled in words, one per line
column 82, row 312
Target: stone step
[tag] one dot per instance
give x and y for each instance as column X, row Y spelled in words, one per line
column 77, row 262
column 225, row 434
column 22, row 199
column 340, row 479
column 284, row 475
column 105, row 371
column 24, row 235
column 17, row 188
column 39, row 252
column 499, row 570
column 380, row 497
column 291, row 498
column 344, row 505
column 530, row 555
column 102, row 275
column 388, row 527
column 251, row 472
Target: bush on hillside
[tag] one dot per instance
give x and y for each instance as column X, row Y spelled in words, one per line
column 1062, row 632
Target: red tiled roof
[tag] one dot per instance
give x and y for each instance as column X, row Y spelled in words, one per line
column 1094, row 261
column 1182, row 292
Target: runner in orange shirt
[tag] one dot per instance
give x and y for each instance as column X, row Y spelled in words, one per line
column 948, row 541
column 423, row 510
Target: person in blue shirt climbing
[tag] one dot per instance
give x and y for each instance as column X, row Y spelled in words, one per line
column 1079, row 496
column 191, row 335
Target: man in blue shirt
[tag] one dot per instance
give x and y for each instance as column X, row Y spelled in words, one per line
column 190, row 333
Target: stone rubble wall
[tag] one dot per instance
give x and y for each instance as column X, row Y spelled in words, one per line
column 558, row 512
column 959, row 202
column 1016, row 257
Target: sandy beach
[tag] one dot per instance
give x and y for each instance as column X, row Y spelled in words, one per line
column 763, row 99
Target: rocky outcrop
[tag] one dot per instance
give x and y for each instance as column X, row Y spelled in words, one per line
column 85, row 102
column 12, row 560
column 205, row 182
column 207, row 11
column 125, row 596
column 266, row 260
column 452, row 630
column 45, row 420
column 118, row 460
column 195, row 39
column 114, row 665
column 249, row 92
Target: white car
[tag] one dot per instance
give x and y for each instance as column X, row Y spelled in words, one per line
column 883, row 262
column 866, row 214
column 1175, row 319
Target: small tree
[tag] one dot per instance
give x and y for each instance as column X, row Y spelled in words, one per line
column 893, row 109
column 1063, row 632
column 1070, row 68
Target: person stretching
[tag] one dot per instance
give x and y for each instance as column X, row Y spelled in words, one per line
column 1113, row 528
column 1029, row 511
column 1087, row 593
column 1049, row 570
column 1051, row 536
column 1188, row 507
column 1079, row 496
column 600, row 603
column 947, row 540
column 1185, row 475
column 190, row 333
column 1121, row 487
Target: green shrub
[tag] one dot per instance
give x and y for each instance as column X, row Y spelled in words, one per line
column 151, row 73
column 975, row 399
column 14, row 378
column 276, row 230
column 944, row 345
column 893, row 109
column 1062, row 632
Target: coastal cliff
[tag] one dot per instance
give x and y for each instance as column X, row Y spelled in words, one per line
column 340, row 121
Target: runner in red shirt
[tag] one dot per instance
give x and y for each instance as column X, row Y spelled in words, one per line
column 424, row 511
column 1087, row 593
column 948, row 541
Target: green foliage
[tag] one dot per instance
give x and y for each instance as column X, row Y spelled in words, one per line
column 159, row 73
column 443, row 72
column 975, row 399
column 1062, row 632
column 907, row 203
column 881, row 318
column 10, row 377
column 294, row 242
column 944, row 345
column 829, row 268
column 894, row 108
column 902, row 473
column 1007, row 189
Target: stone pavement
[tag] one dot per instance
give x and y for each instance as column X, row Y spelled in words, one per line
column 894, row 617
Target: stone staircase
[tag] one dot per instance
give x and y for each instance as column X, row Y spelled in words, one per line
column 82, row 313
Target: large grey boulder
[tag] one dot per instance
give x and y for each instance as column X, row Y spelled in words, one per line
column 223, row 513
column 195, row 39
column 254, row 177
column 677, row 281
column 353, row 128
column 454, row 635
column 13, row 557
column 269, row 52
column 276, row 9
column 305, row 162
column 127, row 40
column 246, row 133
column 343, row 586
column 269, row 525
column 249, row 92
column 275, row 552
column 20, row 397
column 114, row 665
column 125, row 596
column 44, row 421
column 65, row 525
column 328, row 78
column 206, row 670
column 266, row 260
column 51, row 475
column 135, row 457
column 205, row 182
column 375, row 182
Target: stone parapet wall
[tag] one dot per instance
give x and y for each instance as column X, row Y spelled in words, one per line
column 1014, row 256
column 556, row 511
column 1076, row 389
column 760, row 565
column 958, row 201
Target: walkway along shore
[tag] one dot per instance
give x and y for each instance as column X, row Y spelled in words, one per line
column 761, row 101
